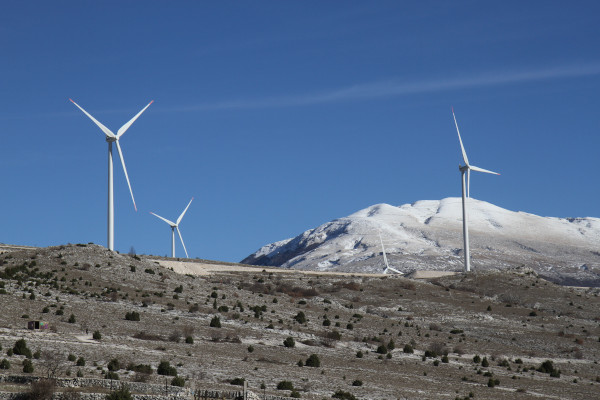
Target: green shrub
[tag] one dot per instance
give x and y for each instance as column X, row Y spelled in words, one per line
column 313, row 361
column 215, row 322
column 300, row 317
column 476, row 359
column 72, row 319
column 237, row 381
column 250, row 349
column 165, row 368
column 142, row 368
column 80, row 362
column 114, row 365
column 340, row 394
column 285, row 385
column 27, row 366
column 382, row 349
column 71, row 357
column 295, row 394
column 189, row 340
column 122, row 393
column 4, row 364
column 20, row 348
column 97, row 335
column 357, row 382
column 359, row 354
column 289, row 342
column 132, row 316
column 485, row 363
column 408, row 349
column 178, row 381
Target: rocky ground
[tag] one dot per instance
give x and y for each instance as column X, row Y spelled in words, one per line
column 361, row 328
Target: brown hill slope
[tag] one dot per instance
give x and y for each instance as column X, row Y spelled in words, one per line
column 514, row 319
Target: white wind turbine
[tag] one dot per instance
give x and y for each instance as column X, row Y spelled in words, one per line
column 466, row 168
column 387, row 266
column 112, row 138
column 175, row 226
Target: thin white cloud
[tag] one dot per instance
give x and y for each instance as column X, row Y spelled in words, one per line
column 396, row 87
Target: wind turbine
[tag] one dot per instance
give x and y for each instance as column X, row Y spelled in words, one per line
column 112, row 138
column 175, row 226
column 466, row 169
column 387, row 266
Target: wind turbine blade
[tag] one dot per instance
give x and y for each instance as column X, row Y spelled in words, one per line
column 122, row 129
column 464, row 153
column 164, row 219
column 474, row 168
column 106, row 131
column 183, row 213
column 180, row 237
column 126, row 176
column 387, row 266
column 468, row 182
column 395, row 270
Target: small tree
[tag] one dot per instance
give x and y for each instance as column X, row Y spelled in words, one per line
column 300, row 317
column 165, row 368
column 313, row 361
column 72, row 319
column 178, row 381
column 4, row 364
column 285, row 385
column 122, row 393
column 27, row 366
column 97, row 335
column 408, row 349
column 215, row 322
column 21, row 348
column 289, row 342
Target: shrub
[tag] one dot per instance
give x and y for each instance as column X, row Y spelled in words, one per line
column 476, row 359
column 547, row 367
column 295, row 394
column 408, row 349
column 122, row 393
column 250, row 349
column 300, row 317
column 237, row 381
column 178, row 381
column 357, row 382
column 485, row 363
column 289, row 342
column 391, row 345
column 114, row 365
column 27, row 366
column 382, row 349
column 72, row 319
column 223, row 309
column 141, row 368
column 285, row 385
column 20, row 348
column 4, row 364
column 71, row 357
column 132, row 316
column 42, row 389
column 189, row 340
column 340, row 394
column 359, row 354
column 165, row 368
column 215, row 322
column 80, row 362
column 97, row 335
column 313, row 361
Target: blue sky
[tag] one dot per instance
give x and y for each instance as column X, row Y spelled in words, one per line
column 278, row 116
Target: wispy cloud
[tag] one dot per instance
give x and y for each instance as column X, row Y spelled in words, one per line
column 397, row 87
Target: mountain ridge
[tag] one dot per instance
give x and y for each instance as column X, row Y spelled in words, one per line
column 427, row 234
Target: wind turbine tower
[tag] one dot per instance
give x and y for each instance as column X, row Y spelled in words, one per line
column 175, row 227
column 112, row 138
column 466, row 169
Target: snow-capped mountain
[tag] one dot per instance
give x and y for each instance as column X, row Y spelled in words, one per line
column 428, row 235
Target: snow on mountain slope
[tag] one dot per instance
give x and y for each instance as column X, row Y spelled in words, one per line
column 428, row 235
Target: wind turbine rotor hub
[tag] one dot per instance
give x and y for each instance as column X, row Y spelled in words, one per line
column 111, row 139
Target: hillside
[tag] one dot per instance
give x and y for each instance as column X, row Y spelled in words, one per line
column 428, row 235
column 514, row 319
